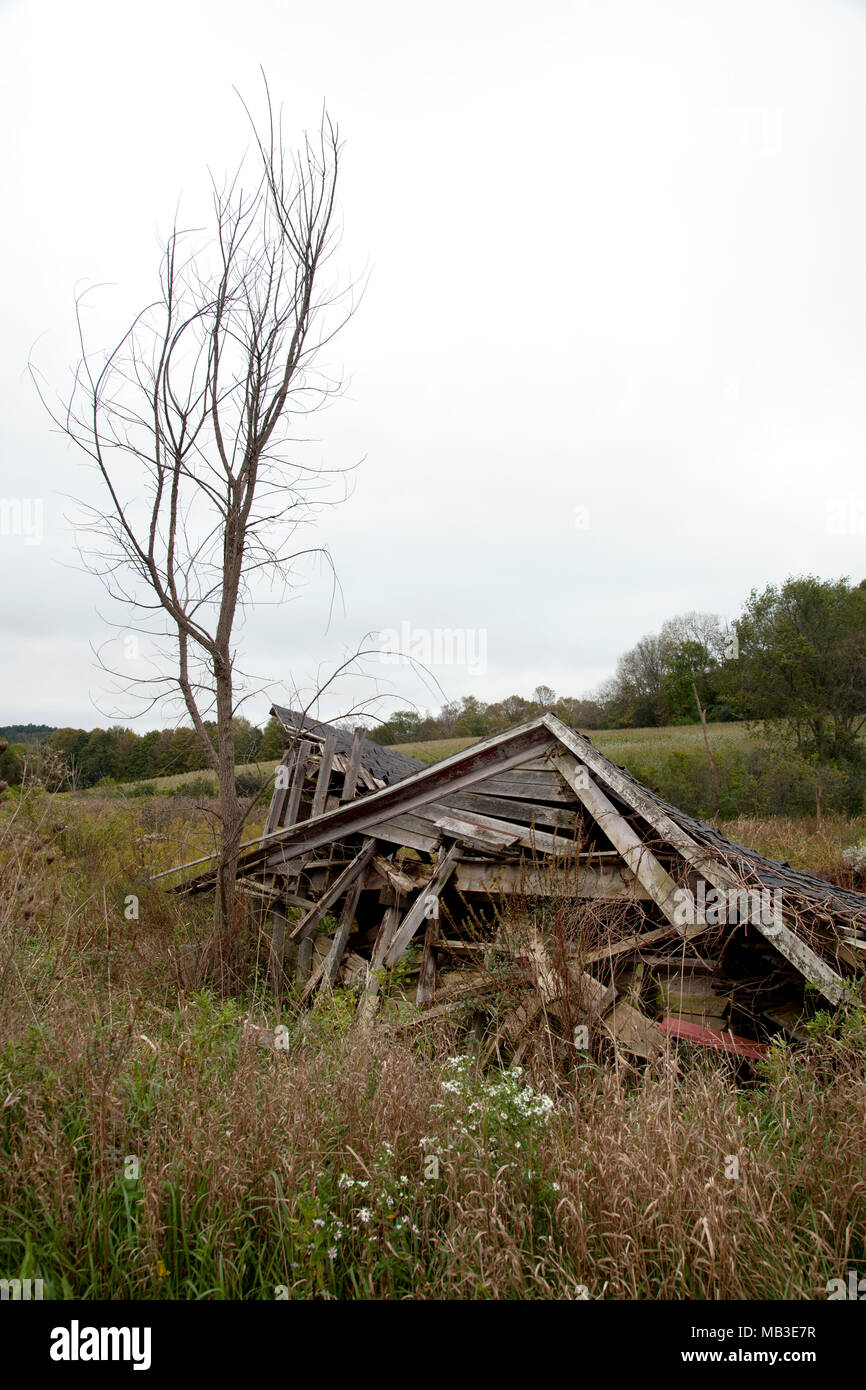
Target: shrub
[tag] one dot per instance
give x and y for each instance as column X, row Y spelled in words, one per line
column 195, row 787
column 248, row 782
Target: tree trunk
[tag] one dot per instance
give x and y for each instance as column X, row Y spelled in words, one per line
column 230, row 811
column 714, row 769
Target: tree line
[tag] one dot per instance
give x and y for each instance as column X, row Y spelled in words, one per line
column 74, row 759
column 794, row 660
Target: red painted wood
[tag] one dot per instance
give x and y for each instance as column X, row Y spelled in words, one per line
column 722, row 1042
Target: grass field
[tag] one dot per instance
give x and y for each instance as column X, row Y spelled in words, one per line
column 618, row 744
column 151, row 1149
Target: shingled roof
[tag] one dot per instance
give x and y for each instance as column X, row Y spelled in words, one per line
column 387, row 764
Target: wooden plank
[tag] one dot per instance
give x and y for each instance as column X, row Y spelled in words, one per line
column 580, row 880
column 409, row 831
column 384, row 937
column 479, row 836
column 367, row 780
column 548, row 982
column 539, row 841
column 530, row 786
column 294, row 798
column 518, row 1019
column 427, row 974
column 351, row 779
column 305, row 960
column 639, row 858
column 642, row 939
column 330, row 965
column 320, row 795
column 396, row 876
column 279, row 796
column 593, row 997
column 278, row 947
column 420, row 908
column 797, row 952
column 311, row 920
column 633, row 1030
column 512, row 808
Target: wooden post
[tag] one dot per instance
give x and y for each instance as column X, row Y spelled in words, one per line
column 308, row 923
column 280, row 793
column 427, row 974
column 351, row 778
column 320, row 796
column 328, row 970
column 278, row 947
column 293, row 800
column 640, row 859
column 420, row 910
column 390, row 922
column 305, row 960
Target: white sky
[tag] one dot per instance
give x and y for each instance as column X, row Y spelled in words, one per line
column 617, row 263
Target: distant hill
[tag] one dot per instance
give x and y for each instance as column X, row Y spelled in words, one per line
column 31, row 734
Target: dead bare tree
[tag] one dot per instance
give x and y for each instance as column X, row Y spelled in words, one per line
column 187, row 421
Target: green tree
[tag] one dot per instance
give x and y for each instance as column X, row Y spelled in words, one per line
column 801, row 666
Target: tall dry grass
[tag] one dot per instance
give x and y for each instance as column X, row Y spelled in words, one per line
column 152, row 1147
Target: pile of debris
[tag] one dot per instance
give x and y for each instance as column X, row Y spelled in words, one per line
column 531, row 870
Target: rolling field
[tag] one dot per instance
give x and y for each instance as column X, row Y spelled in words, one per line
column 617, row 744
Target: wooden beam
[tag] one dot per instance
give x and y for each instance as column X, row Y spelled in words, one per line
column 350, row 781
column 638, row 856
column 539, row 841
column 320, row 795
column 384, row 937
column 311, row 920
column 280, row 793
column 427, row 974
column 305, row 960
column 797, row 952
column 641, row 939
column 420, row 908
column 577, row 880
column 529, row 786
column 478, row 836
column 510, row 808
column 633, row 1030
column 408, row 831
column 278, row 947
column 329, row 967
column 293, row 800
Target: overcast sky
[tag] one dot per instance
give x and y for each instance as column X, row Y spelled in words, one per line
column 611, row 360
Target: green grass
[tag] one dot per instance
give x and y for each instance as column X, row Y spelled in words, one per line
column 181, row 779
column 641, row 744
column 434, row 749
column 617, row 744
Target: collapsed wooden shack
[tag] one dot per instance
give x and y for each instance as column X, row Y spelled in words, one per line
column 531, row 870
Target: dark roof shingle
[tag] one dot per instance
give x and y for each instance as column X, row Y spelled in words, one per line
column 385, row 763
